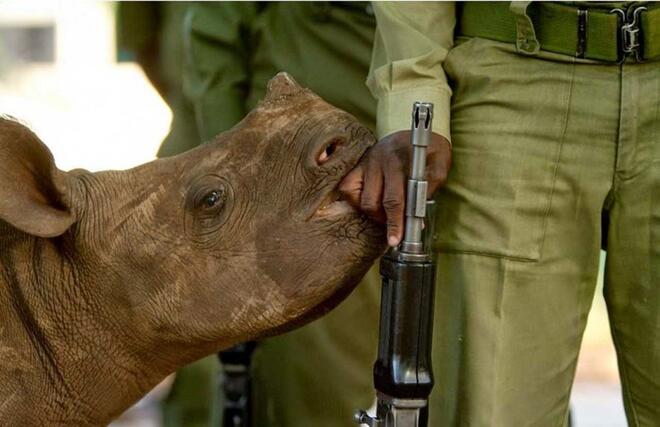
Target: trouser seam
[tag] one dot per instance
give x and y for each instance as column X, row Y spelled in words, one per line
column 496, row 353
column 486, row 254
column 582, row 326
column 558, row 159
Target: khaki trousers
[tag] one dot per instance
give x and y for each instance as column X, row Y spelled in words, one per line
column 553, row 159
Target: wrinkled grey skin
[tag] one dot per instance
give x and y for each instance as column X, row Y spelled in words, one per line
column 110, row 281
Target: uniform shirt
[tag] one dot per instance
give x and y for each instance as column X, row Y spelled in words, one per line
column 411, row 43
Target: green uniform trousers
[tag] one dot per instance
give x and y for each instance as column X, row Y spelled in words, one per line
column 553, row 158
column 321, row 373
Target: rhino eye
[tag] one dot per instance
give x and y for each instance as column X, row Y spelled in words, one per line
column 208, row 204
column 214, row 198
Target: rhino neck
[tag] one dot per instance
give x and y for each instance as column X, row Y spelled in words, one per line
column 109, row 351
column 87, row 333
column 65, row 357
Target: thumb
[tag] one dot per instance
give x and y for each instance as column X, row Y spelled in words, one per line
column 351, row 186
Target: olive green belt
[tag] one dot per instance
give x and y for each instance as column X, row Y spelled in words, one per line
column 604, row 34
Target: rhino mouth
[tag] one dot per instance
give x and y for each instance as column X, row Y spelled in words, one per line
column 349, row 150
column 334, row 205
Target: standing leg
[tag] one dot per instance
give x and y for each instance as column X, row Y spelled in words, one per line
column 632, row 274
column 520, row 232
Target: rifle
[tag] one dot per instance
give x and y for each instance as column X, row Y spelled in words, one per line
column 402, row 372
column 236, row 384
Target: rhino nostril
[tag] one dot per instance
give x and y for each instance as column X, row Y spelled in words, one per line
column 330, row 149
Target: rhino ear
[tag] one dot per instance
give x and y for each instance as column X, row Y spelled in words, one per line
column 32, row 189
column 282, row 85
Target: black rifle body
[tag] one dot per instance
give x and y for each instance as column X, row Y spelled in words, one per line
column 402, row 373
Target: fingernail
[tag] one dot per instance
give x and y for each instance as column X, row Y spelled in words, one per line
column 392, row 241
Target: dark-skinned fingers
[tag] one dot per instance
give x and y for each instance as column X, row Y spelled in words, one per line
column 438, row 164
column 394, row 202
column 436, row 176
column 351, row 186
column 372, row 191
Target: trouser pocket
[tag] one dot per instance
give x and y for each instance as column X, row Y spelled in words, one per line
column 509, row 115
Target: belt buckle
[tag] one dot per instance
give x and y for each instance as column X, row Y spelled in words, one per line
column 630, row 33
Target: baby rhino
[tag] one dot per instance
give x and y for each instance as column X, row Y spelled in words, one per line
column 110, row 281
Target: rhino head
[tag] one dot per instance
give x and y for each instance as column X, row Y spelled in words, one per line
column 110, row 281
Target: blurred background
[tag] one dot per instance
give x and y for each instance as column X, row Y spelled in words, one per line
column 60, row 74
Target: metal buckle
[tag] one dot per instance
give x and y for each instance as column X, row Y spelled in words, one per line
column 630, row 35
column 583, row 18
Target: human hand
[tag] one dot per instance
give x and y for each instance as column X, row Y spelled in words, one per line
column 377, row 184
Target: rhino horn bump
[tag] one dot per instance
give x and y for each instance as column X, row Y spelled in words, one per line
column 282, row 85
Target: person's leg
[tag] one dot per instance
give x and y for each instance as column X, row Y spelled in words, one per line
column 519, row 232
column 632, row 274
